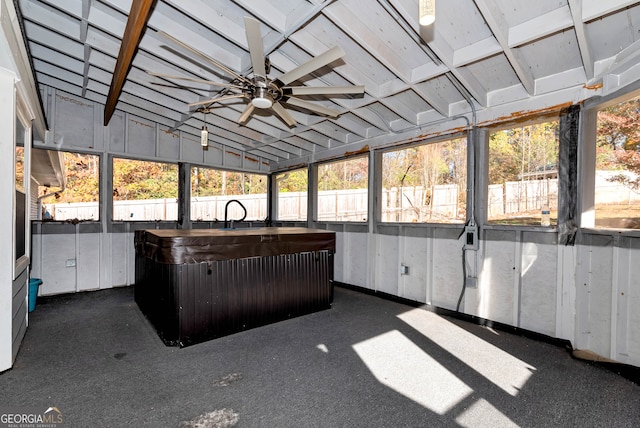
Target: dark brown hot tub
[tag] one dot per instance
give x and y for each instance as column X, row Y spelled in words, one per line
column 196, row 285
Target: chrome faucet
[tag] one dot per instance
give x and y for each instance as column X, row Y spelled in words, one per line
column 225, row 212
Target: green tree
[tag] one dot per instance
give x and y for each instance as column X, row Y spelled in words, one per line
column 133, row 180
column 618, row 142
column 215, row 182
column 342, row 175
column 618, row 126
column 83, row 178
column 522, row 152
column 293, row 181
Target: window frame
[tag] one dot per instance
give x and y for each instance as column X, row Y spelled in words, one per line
column 276, row 194
column 111, row 213
column 248, row 219
column 99, row 157
column 587, row 159
column 22, row 261
column 315, row 179
column 552, row 116
column 424, row 142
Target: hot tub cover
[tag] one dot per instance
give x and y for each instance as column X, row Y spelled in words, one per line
column 179, row 246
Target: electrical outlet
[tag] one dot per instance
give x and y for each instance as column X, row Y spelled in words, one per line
column 404, row 270
column 471, row 238
column 70, row 263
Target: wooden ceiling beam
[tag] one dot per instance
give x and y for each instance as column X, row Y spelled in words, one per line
column 136, row 24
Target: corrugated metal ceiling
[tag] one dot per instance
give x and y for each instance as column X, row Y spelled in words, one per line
column 505, row 55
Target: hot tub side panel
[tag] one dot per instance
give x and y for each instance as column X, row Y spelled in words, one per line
column 155, row 292
column 224, row 297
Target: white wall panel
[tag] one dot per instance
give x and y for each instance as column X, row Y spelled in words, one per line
column 119, row 258
column 131, row 260
column 214, row 154
column 339, row 259
column 356, row 259
column 498, row 275
column 538, row 287
column 191, row 149
column 387, row 264
column 629, row 330
column 232, row 158
column 57, row 251
column 74, row 121
column 447, row 279
column 141, row 137
column 599, row 288
column 116, row 133
column 36, row 255
column 88, row 261
column 168, row 144
column 608, row 295
column 415, row 255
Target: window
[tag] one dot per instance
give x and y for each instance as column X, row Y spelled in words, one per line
column 20, row 195
column 426, row 183
column 617, row 174
column 292, row 195
column 144, row 191
column 343, row 190
column 20, row 183
column 80, row 198
column 211, row 189
column 523, row 175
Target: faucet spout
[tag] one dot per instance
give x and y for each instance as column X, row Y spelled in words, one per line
column 226, row 208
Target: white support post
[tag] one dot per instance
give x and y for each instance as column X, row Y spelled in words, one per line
column 7, row 220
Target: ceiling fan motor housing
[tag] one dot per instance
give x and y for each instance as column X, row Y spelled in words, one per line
column 264, row 92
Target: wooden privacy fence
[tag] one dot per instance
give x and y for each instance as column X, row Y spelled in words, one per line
column 407, row 204
column 207, row 208
column 522, row 196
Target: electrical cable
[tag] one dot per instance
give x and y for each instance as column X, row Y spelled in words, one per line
column 464, row 275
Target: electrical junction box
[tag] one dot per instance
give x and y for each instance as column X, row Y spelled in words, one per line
column 471, row 237
column 404, row 269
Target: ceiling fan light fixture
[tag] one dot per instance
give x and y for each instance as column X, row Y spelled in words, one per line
column 427, row 12
column 262, row 102
column 262, row 99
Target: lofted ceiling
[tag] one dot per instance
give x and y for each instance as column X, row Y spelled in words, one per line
column 500, row 58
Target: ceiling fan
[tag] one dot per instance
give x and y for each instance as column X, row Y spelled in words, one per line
column 263, row 92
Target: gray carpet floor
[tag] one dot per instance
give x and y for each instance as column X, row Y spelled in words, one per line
column 366, row 362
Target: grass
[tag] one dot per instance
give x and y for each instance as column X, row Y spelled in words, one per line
column 614, row 216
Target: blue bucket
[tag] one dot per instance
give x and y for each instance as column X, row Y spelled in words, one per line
column 34, row 283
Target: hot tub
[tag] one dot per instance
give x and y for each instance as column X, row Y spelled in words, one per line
column 196, row 285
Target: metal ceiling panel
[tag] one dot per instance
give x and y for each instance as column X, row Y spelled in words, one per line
column 609, row 35
column 568, row 58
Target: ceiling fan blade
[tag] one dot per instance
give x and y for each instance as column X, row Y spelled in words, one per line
column 246, row 113
column 313, row 107
column 283, row 113
column 312, row 65
column 191, row 79
column 256, row 49
column 322, row 90
column 205, row 57
column 215, row 100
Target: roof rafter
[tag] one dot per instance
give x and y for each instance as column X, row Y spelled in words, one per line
column 495, row 20
column 136, row 24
